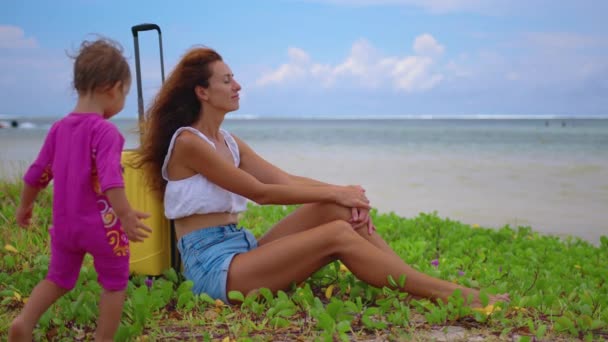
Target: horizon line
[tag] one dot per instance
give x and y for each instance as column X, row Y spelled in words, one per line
column 365, row 117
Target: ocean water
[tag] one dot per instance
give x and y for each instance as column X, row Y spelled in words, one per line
column 547, row 173
column 552, row 138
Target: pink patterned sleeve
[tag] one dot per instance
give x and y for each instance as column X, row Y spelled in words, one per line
column 108, row 149
column 40, row 173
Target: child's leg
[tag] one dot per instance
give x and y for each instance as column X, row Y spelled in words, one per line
column 64, row 267
column 42, row 297
column 111, row 260
column 109, row 246
column 110, row 311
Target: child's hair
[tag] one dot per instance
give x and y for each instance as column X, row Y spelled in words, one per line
column 98, row 65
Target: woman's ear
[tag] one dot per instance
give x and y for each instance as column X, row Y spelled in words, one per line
column 201, row 93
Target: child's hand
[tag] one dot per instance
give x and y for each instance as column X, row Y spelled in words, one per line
column 24, row 216
column 134, row 227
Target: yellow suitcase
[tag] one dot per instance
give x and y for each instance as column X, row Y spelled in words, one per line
column 153, row 255
column 158, row 252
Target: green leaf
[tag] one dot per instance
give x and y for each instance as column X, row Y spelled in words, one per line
column 184, row 298
column 604, row 241
column 206, row 298
column 402, row 279
column 484, row 298
column 185, row 287
column 540, row 331
column 334, row 308
column 171, row 275
column 286, row 312
column 9, row 261
column 563, row 323
column 326, row 322
column 7, row 293
column 236, row 296
column 123, row 333
column 343, row 326
column 279, row 322
column 391, row 281
column 267, row 294
column 597, row 324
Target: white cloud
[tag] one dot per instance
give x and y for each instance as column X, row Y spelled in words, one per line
column 13, row 37
column 360, row 65
column 532, row 63
column 365, row 68
column 413, row 74
column 294, row 69
column 426, row 45
column 298, row 55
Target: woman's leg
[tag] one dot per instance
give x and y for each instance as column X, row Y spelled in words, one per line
column 294, row 257
column 313, row 215
column 42, row 297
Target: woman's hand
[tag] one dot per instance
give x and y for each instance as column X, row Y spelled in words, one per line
column 361, row 218
column 351, row 196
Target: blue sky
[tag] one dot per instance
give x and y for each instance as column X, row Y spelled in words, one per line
column 330, row 57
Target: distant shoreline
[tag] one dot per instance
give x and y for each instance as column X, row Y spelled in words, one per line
column 9, row 118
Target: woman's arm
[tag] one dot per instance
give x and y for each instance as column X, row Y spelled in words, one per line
column 266, row 172
column 274, row 187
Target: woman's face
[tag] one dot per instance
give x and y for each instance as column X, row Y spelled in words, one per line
column 223, row 90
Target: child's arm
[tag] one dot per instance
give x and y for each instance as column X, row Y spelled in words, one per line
column 26, row 205
column 37, row 177
column 130, row 219
column 109, row 144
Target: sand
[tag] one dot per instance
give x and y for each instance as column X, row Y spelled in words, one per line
column 566, row 196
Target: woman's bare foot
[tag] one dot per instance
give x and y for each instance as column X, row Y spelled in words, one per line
column 490, row 308
column 503, row 297
column 492, row 299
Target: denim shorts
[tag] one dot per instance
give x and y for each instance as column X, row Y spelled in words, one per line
column 206, row 254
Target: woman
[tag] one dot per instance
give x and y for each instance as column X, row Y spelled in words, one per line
column 207, row 175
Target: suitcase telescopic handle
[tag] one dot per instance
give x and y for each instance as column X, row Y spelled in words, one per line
column 144, row 27
column 135, row 30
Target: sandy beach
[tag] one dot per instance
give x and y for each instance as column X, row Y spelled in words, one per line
column 560, row 197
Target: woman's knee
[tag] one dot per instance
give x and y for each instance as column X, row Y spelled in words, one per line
column 330, row 211
column 340, row 230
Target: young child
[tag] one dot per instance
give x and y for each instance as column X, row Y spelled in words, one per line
column 91, row 214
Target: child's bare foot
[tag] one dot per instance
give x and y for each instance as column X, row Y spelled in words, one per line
column 19, row 331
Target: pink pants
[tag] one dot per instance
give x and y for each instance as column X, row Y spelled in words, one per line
column 108, row 246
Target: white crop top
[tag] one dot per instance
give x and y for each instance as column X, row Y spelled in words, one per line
column 196, row 194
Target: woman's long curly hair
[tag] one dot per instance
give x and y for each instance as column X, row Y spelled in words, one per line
column 175, row 106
